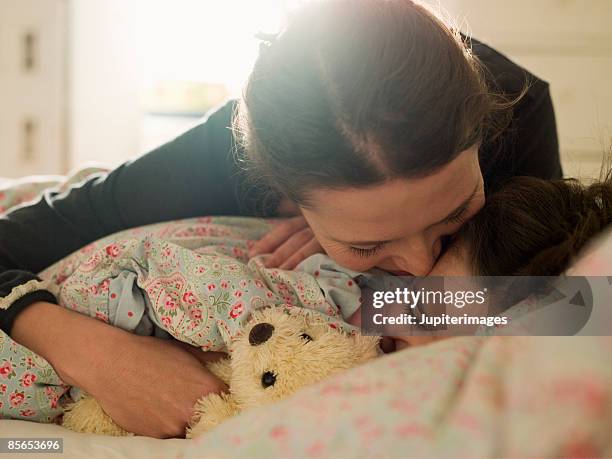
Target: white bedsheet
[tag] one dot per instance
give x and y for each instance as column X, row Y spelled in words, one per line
column 79, row 446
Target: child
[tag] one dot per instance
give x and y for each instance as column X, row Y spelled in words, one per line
column 529, row 227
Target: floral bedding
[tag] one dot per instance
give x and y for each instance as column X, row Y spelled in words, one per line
column 462, row 397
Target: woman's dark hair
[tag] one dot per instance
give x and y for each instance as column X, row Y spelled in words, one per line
column 357, row 92
column 536, row 227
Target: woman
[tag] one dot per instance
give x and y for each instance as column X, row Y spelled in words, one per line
column 371, row 116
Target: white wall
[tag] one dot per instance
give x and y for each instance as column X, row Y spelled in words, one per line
column 104, row 98
column 567, row 43
column 93, row 110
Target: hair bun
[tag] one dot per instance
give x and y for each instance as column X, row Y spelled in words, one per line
column 265, row 40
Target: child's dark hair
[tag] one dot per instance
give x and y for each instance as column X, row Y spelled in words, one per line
column 536, row 227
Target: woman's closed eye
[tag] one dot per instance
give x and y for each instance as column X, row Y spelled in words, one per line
column 366, row 251
column 458, row 216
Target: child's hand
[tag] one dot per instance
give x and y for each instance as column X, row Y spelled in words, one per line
column 402, row 342
column 387, row 344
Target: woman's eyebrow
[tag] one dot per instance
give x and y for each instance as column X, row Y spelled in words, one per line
column 361, row 242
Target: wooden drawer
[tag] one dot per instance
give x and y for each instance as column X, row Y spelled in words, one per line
column 33, row 115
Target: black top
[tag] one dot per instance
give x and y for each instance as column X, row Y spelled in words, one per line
column 196, row 175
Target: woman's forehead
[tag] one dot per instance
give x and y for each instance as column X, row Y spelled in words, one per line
column 389, row 207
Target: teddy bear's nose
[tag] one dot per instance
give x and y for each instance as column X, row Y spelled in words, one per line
column 260, row 333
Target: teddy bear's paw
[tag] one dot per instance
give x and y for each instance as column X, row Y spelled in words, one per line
column 87, row 416
column 211, row 411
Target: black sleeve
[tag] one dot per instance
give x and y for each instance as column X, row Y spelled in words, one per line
column 192, row 175
column 529, row 145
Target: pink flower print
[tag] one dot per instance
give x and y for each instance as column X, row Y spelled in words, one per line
column 238, row 252
column 104, row 285
column 169, row 303
column 16, row 398
column 60, row 279
column 101, row 316
column 6, row 369
column 166, row 320
column 211, row 287
column 282, row 286
column 238, row 293
column 93, row 260
column 315, row 449
column 93, row 289
column 243, row 283
column 269, row 294
column 28, row 379
column 279, row 432
column 189, row 297
column 224, row 284
column 195, row 314
column 236, row 310
column 27, row 413
column 167, row 252
column 3, row 389
column 259, row 284
column 112, row 250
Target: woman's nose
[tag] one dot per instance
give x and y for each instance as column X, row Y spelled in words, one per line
column 417, row 256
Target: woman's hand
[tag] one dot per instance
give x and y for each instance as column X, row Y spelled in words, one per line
column 147, row 385
column 289, row 243
column 151, row 385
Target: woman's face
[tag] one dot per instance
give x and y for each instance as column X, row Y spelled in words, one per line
column 398, row 225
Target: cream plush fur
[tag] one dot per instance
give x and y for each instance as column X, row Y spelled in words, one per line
column 278, row 353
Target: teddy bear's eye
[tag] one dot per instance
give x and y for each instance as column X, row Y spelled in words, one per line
column 306, row 336
column 268, row 379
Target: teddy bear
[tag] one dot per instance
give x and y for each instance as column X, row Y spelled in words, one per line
column 279, row 351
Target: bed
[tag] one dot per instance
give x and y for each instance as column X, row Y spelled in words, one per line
column 464, row 397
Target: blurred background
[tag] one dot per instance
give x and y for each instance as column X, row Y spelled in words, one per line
column 106, row 80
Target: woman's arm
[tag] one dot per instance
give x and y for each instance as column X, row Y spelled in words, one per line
column 147, row 385
column 529, row 146
column 189, row 176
